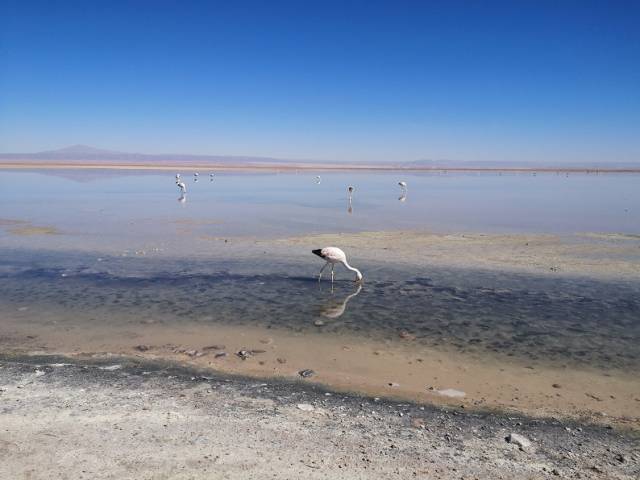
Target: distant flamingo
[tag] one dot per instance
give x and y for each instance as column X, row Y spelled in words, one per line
column 350, row 190
column 403, row 186
column 333, row 255
column 182, row 187
column 318, row 179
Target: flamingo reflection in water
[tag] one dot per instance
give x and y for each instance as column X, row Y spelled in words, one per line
column 334, row 308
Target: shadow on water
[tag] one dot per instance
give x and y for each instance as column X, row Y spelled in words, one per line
column 596, row 324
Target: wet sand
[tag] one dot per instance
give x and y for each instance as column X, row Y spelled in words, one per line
column 22, row 227
column 393, row 369
column 583, row 254
column 588, row 254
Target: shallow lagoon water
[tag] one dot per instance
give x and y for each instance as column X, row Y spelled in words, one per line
column 556, row 322
column 109, row 208
column 120, row 251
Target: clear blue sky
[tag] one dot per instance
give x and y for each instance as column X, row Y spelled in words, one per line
column 345, row 80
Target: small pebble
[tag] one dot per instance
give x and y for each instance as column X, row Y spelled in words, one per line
column 519, row 440
column 243, row 354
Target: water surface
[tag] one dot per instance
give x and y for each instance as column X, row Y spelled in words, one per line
column 107, row 208
column 559, row 322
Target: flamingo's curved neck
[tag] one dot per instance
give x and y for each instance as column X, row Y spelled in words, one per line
column 353, row 269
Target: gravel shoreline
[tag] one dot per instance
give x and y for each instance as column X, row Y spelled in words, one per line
column 124, row 418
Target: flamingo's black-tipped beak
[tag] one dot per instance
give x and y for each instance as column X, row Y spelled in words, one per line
column 317, row 252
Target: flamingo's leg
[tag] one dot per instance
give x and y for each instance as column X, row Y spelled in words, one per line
column 322, row 270
column 332, row 266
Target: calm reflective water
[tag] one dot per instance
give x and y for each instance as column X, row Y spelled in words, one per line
column 107, row 205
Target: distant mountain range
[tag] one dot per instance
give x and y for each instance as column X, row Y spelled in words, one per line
column 87, row 154
column 83, row 154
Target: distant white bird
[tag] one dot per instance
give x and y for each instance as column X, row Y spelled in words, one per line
column 182, row 187
column 333, row 255
column 211, row 176
column 350, row 190
column 403, row 186
column 196, row 174
column 318, row 179
column 177, row 177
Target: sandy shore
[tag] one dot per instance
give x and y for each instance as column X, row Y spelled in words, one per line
column 593, row 255
column 116, row 419
column 397, row 369
column 249, row 167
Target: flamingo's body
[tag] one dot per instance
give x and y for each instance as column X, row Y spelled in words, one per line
column 318, row 179
column 182, row 187
column 403, row 186
column 333, row 255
